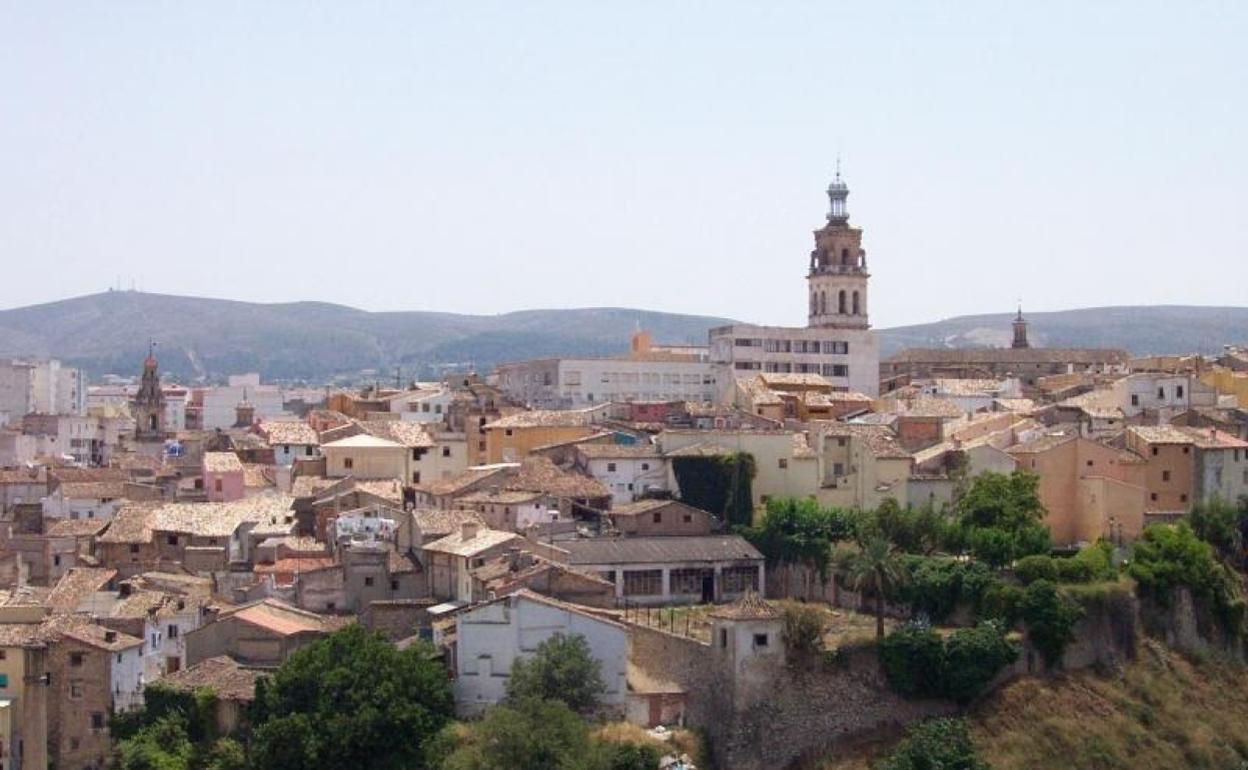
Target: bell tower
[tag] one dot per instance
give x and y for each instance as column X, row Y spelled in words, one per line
column 149, row 402
column 1020, row 331
column 837, row 281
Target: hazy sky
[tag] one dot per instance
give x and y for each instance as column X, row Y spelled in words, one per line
column 483, row 157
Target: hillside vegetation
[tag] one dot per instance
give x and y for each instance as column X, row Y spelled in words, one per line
column 1160, row 711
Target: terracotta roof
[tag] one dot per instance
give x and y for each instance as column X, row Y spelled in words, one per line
column 402, row 564
column 544, row 418
column 131, row 523
column 931, row 406
column 92, row 490
column 702, row 449
column 658, row 550
column 1209, row 438
column 791, row 379
column 502, row 497
column 19, row 476
column 1043, row 443
column 622, row 451
column 438, row 522
column 222, row 462
column 1161, row 434
column 284, row 619
column 748, row 607
column 100, row 637
column 456, row 545
column 70, row 475
column 540, row 474
column 879, row 440
column 295, row 564
column 460, row 482
column 222, row 519
column 311, row 486
column 221, row 674
column 77, row 528
column 24, row 635
column 289, row 432
column 77, row 584
column 409, row 434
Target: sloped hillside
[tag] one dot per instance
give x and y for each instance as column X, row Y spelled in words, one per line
column 1160, row 711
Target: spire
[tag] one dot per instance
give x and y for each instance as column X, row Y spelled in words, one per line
column 1020, row 329
column 838, row 191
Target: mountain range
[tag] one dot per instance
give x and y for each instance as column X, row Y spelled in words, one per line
column 207, row 338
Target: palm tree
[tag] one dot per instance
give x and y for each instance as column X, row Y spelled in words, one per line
column 876, row 567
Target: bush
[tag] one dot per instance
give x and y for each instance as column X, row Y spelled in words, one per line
column 1074, row 570
column 1169, row 556
column 973, row 658
column 1050, row 620
column 1003, row 602
column 912, row 658
column 936, row 586
column 803, row 628
column 937, row 744
column 1029, row 569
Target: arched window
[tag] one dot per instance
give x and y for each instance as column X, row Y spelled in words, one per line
column 857, row 307
column 152, row 422
column 823, row 302
column 841, row 303
column 844, row 256
column 814, row 302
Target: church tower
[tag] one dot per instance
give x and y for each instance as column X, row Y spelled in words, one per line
column 837, row 281
column 1020, row 331
column 149, row 402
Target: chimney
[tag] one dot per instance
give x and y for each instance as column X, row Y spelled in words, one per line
column 110, row 637
column 469, row 529
column 513, row 559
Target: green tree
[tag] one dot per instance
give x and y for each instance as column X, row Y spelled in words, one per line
column 1050, row 620
column 875, row 569
column 1170, row 556
column 562, row 668
column 721, row 484
column 160, row 745
column 1221, row 525
column 627, row 756
column 1000, row 518
column 974, row 657
column 524, row 735
column 937, row 744
column 799, row 532
column 803, row 628
column 348, row 701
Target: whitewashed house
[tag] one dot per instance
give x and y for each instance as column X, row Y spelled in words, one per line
column 492, row 636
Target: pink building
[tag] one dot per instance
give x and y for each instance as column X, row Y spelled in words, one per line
column 223, row 477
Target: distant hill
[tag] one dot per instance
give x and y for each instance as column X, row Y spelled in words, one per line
column 109, row 332
column 1140, row 330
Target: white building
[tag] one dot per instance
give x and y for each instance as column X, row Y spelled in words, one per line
column 426, row 404
column 647, row 373
column 40, row 387
column 627, row 470
column 837, row 341
column 221, row 402
column 492, row 636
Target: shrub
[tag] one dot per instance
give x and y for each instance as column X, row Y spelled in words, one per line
column 1169, row 556
column 912, row 658
column 564, row 669
column 937, row 744
column 1029, row 569
column 935, row 586
column 803, row 628
column 973, row 657
column 1001, row 601
column 1074, row 570
column 1050, row 620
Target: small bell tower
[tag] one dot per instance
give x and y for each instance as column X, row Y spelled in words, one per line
column 1020, row 330
column 837, row 282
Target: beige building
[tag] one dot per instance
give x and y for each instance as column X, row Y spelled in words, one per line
column 450, row 561
column 785, row 466
column 860, row 466
column 510, row 439
column 364, row 456
column 1090, row 490
column 1171, row 466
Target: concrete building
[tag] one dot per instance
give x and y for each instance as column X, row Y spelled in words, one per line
column 40, row 387
column 365, row 457
column 647, row 373
column 490, row 637
column 837, row 341
column 627, row 470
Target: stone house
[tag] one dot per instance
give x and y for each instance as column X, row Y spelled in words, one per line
column 224, row 477
column 627, row 470
column 260, row 634
column 659, row 518
column 1170, row 462
column 234, row 686
column 449, row 561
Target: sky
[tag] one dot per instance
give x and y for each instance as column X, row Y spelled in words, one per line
column 492, row 156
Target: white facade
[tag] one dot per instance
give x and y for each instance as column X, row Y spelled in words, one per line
column 58, row 506
column 492, row 636
column 848, row 358
column 164, row 644
column 569, row 383
column 628, row 477
column 220, row 402
column 40, row 387
column 126, row 678
column 428, row 406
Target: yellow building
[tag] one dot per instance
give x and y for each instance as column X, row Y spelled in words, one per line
column 1228, row 383
column 510, row 439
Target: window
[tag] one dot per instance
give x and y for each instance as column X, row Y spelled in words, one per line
column 1165, row 475
column 508, row 432
column 75, row 659
column 840, row 441
column 368, row 582
column 3, row 654
column 4, row 681
column 723, row 637
column 415, row 477
column 446, row 451
column 307, row 451
column 1182, row 498
column 394, row 585
column 173, row 539
column 646, row 466
column 1178, row 391
column 838, row 469
column 75, row 689
column 783, row 462
column 1187, row 450
column 688, row 518
column 740, row 579
column 1135, row 399
column 610, row 467
column 760, row 640
column 1154, row 451
column 657, row 518
column 56, row 560
column 1153, row 497
column 643, row 582
column 1161, row 394
column 1089, row 463
column 172, row 631
column 97, row 720
column 348, row 463
column 216, row 485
